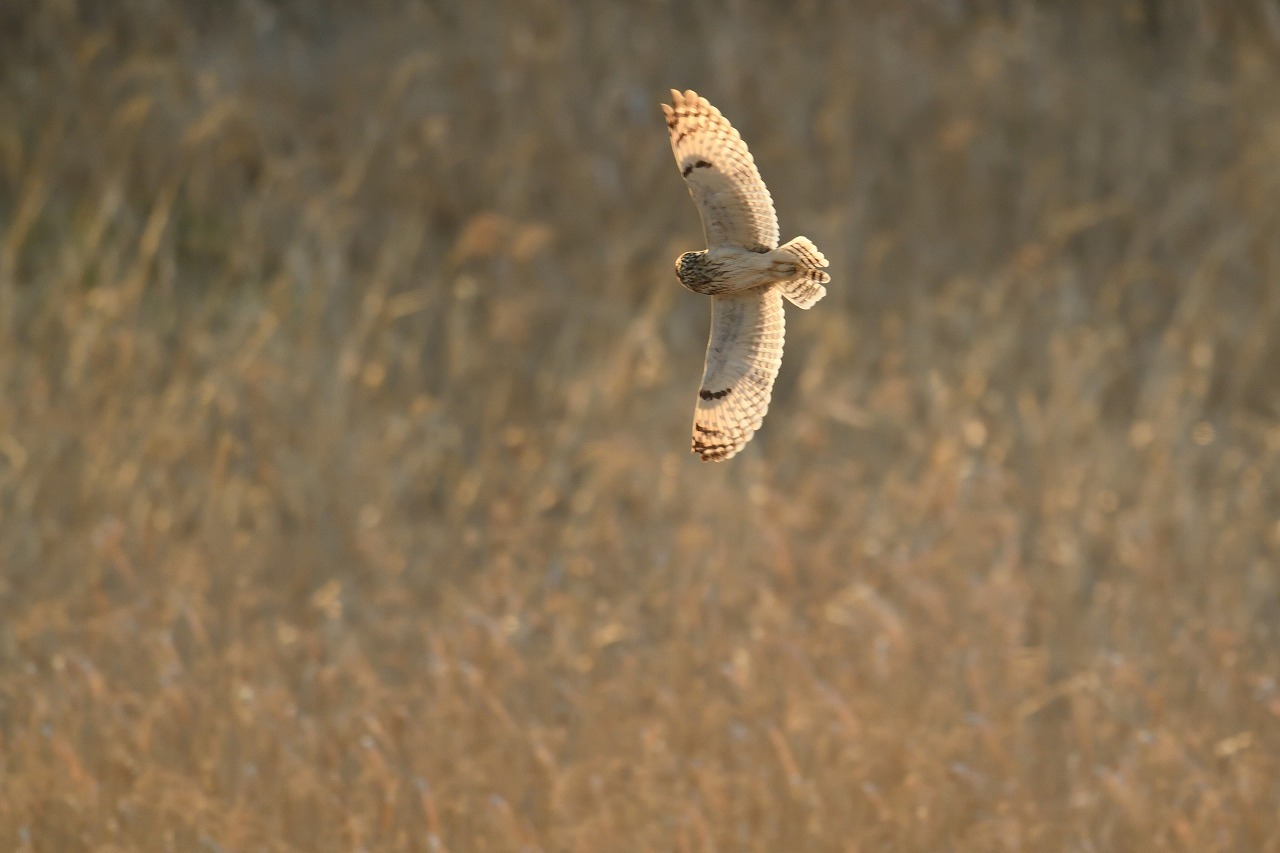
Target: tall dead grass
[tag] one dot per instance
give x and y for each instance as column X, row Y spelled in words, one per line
column 345, row 500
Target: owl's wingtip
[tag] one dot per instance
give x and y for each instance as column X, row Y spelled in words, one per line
column 688, row 96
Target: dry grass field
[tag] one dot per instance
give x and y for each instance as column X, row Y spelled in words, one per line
column 345, row 387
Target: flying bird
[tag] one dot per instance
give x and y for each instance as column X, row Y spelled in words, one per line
column 744, row 271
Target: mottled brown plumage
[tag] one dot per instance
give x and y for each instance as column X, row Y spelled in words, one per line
column 744, row 271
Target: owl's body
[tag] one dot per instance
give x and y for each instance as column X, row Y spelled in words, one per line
column 743, row 269
column 724, row 269
column 728, row 269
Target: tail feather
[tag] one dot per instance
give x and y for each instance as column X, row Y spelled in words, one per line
column 804, row 286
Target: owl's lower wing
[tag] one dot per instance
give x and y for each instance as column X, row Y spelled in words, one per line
column 743, row 358
column 734, row 203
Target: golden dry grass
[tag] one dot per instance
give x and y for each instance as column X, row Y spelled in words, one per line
column 345, row 500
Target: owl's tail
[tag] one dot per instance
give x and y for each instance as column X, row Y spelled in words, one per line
column 802, row 264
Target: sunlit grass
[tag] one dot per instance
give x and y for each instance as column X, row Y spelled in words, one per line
column 345, row 499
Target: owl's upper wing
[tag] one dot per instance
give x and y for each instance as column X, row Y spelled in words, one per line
column 743, row 358
column 734, row 203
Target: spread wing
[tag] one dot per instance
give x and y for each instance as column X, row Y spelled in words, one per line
column 734, row 203
column 743, row 358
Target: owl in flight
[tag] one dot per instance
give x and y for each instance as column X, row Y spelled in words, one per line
column 744, row 271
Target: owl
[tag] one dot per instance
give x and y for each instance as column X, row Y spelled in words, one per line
column 744, row 271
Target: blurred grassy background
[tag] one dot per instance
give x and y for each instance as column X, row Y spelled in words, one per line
column 345, row 493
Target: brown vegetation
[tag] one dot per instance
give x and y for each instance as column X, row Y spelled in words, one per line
column 345, row 493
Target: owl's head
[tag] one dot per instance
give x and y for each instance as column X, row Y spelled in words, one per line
column 688, row 267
